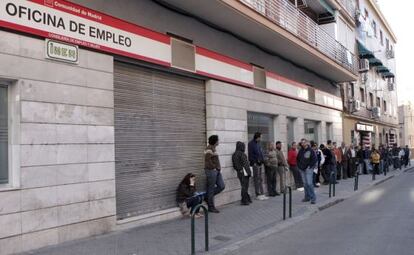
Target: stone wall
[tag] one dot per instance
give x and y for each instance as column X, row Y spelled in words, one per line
column 64, row 188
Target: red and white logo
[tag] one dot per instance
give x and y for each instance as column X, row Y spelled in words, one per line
column 49, row 3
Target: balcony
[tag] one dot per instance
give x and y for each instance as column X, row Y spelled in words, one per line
column 278, row 27
column 287, row 16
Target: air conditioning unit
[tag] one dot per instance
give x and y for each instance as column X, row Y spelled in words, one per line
column 376, row 112
column 391, row 85
column 363, row 65
column 390, row 54
column 357, row 105
column 354, row 105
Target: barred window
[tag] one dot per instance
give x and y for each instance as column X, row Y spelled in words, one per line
column 4, row 137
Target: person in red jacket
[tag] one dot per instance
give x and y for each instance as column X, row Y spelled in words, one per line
column 292, row 155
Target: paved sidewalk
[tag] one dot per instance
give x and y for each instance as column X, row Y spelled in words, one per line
column 234, row 224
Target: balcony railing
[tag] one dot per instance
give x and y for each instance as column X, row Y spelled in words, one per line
column 287, row 16
column 350, row 6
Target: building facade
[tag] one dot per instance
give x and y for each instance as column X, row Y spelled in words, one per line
column 370, row 103
column 406, row 122
column 104, row 108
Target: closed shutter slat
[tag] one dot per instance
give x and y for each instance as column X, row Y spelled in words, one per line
column 160, row 134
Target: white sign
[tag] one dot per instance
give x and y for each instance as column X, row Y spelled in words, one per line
column 67, row 22
column 62, row 51
column 362, row 127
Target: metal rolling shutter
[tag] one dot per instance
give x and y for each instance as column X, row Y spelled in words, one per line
column 160, row 134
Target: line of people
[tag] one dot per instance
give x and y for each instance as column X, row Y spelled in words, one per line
column 308, row 163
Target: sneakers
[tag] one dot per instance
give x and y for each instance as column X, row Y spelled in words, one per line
column 262, row 197
column 301, row 189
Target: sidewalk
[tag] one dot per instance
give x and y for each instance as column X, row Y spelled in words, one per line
column 228, row 229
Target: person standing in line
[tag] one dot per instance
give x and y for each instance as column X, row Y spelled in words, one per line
column 271, row 165
column 375, row 160
column 282, row 166
column 325, row 167
column 406, row 155
column 401, row 156
column 334, row 164
column 292, row 155
column 345, row 161
column 321, row 160
column 307, row 162
column 395, row 153
column 242, row 167
column 360, row 159
column 215, row 183
column 367, row 160
column 256, row 159
column 338, row 155
column 352, row 155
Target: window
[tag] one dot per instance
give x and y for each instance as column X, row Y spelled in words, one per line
column 362, row 94
column 366, row 14
column 374, row 28
column 263, row 123
column 311, row 132
column 259, row 77
column 290, row 126
column 4, row 137
column 378, row 102
column 329, row 131
column 371, row 99
column 381, row 38
column 387, row 44
column 385, row 106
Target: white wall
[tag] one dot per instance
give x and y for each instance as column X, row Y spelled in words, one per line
column 66, row 149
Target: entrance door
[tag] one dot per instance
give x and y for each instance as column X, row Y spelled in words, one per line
column 160, row 135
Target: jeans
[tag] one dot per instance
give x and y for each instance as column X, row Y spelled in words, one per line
column 271, row 180
column 381, row 166
column 258, row 179
column 281, row 173
column 244, row 183
column 368, row 167
column 297, row 176
column 215, row 185
column 307, row 177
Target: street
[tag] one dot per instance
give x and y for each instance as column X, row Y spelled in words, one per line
column 377, row 221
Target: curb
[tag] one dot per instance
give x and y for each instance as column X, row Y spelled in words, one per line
column 234, row 247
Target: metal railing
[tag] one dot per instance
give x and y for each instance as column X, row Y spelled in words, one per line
column 350, row 6
column 286, row 15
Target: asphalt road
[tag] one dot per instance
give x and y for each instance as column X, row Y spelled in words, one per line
column 379, row 221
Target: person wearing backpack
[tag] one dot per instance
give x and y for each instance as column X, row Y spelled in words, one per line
column 307, row 161
column 242, row 167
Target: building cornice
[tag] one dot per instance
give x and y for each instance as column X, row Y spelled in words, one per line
column 350, row 116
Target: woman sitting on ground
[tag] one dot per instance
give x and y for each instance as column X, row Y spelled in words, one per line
column 187, row 196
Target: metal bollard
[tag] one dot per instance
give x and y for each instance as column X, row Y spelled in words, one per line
column 193, row 227
column 373, row 174
column 290, row 202
column 332, row 182
column 356, row 181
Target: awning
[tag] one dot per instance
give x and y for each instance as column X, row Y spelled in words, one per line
column 388, row 75
column 364, row 52
column 382, row 69
column 375, row 62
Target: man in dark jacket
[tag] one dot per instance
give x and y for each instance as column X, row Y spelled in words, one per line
column 215, row 183
column 330, row 164
column 307, row 162
column 406, row 155
column 241, row 165
column 256, row 159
